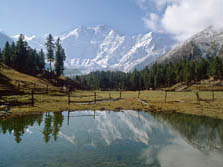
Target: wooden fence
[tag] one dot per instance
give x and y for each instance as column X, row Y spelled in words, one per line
column 32, row 89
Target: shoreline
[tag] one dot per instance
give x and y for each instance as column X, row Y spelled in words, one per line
column 152, row 101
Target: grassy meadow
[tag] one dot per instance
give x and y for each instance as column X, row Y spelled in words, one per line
column 57, row 99
column 154, row 101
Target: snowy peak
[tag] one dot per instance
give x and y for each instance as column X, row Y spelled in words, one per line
column 103, row 48
column 206, row 43
column 27, row 38
column 212, row 33
column 81, row 30
column 34, row 41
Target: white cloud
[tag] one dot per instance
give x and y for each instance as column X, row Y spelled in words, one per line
column 178, row 153
column 151, row 21
column 189, row 17
column 158, row 4
column 187, row 155
column 184, row 18
column 162, row 3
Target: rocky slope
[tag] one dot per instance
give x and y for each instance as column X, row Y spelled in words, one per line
column 207, row 43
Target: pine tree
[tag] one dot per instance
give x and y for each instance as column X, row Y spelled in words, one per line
column 213, row 48
column 217, row 68
column 22, row 57
column 21, row 54
column 6, row 54
column 32, row 62
column 0, row 55
column 50, row 50
column 135, row 80
column 13, row 54
column 220, row 52
column 59, row 58
column 63, row 58
column 42, row 60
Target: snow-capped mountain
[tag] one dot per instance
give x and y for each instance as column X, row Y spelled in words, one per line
column 103, row 48
column 34, row 41
column 207, row 43
column 3, row 39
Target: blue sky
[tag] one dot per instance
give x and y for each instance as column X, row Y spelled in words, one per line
column 182, row 18
column 55, row 16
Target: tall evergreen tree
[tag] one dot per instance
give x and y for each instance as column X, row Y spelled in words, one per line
column 6, row 54
column 21, row 54
column 22, row 57
column 220, row 52
column 217, row 68
column 42, row 60
column 32, row 62
column 63, row 55
column 50, row 50
column 0, row 54
column 59, row 58
column 13, row 54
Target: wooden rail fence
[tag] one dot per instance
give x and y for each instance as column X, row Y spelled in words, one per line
column 41, row 88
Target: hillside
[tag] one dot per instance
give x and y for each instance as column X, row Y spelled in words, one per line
column 9, row 80
column 207, row 43
column 203, row 85
column 20, row 102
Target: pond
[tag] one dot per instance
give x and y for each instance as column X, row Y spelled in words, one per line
column 106, row 138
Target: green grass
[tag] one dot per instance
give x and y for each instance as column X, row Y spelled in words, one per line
column 183, row 102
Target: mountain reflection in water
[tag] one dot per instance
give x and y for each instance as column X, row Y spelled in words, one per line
column 105, row 138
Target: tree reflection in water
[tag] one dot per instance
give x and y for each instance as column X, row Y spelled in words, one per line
column 19, row 124
column 204, row 133
column 201, row 132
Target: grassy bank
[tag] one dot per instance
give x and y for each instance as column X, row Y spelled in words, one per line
column 182, row 102
column 55, row 100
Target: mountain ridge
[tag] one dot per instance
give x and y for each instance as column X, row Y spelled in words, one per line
column 206, row 43
column 103, row 48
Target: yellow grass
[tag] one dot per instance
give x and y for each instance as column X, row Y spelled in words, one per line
column 182, row 102
column 26, row 81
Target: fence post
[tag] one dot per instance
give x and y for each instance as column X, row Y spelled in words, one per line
column 139, row 94
column 165, row 95
column 110, row 96
column 46, row 89
column 95, row 98
column 213, row 95
column 32, row 94
column 120, row 94
column 198, row 97
column 18, row 85
column 34, row 86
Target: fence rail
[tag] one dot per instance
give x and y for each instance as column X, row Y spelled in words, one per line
column 31, row 89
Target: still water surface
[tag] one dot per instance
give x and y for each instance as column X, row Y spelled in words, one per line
column 111, row 139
